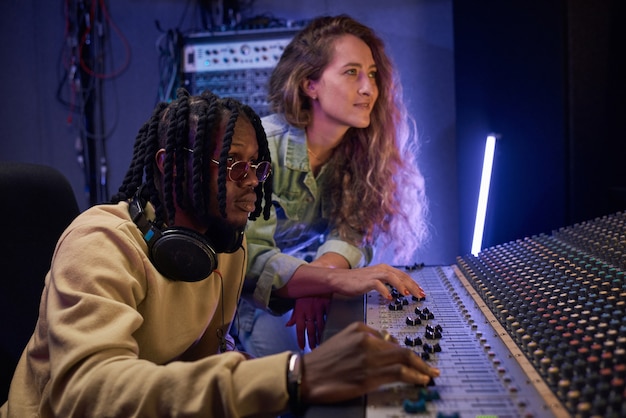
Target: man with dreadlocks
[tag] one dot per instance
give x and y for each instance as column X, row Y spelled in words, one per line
column 138, row 302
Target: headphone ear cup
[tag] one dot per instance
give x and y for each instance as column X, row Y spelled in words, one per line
column 178, row 253
column 183, row 255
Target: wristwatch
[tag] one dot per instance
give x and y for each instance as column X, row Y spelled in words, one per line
column 295, row 372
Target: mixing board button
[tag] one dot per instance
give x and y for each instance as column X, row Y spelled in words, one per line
column 431, row 333
column 414, row 407
column 545, row 364
column 395, row 307
column 563, row 387
column 620, row 369
column 588, row 392
column 412, row 342
column 428, row 313
column 426, row 394
column 452, row 415
column 413, row 321
column 553, row 375
column 584, row 409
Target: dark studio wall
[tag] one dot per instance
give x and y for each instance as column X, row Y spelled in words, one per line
column 510, row 81
column 547, row 76
column 596, row 102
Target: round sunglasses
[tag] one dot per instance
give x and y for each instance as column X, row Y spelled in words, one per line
column 238, row 170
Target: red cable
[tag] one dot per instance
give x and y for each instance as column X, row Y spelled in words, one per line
column 84, row 65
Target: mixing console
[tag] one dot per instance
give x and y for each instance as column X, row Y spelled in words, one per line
column 531, row 328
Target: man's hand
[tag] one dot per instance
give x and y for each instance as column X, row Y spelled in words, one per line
column 358, row 360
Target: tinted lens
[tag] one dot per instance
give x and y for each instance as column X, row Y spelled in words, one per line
column 239, row 170
column 263, row 170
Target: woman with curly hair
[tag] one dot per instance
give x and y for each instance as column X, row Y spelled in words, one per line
column 345, row 181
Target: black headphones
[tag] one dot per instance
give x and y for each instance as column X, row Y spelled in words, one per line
column 178, row 253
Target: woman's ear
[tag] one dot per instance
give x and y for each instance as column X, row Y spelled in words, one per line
column 309, row 87
column 160, row 159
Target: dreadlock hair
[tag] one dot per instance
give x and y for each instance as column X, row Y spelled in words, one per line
column 186, row 128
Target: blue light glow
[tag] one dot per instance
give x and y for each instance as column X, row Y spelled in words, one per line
column 483, row 196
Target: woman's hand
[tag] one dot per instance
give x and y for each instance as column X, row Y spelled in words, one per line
column 355, row 282
column 309, row 316
column 309, row 280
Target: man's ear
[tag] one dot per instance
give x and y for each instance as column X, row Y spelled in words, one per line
column 309, row 87
column 160, row 159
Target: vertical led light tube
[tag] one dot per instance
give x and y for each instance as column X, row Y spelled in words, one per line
column 483, row 195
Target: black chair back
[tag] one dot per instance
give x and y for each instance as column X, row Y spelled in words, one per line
column 37, row 204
